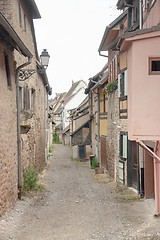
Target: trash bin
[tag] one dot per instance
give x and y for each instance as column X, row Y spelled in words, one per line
column 91, row 158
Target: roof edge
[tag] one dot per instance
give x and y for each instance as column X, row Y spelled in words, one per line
column 4, row 22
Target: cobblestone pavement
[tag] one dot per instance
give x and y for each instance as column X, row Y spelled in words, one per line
column 77, row 204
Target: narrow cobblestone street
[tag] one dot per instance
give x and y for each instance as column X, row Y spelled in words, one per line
column 75, row 206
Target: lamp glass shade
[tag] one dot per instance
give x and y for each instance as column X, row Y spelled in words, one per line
column 44, row 58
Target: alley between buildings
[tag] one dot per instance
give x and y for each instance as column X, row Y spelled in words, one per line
column 75, row 205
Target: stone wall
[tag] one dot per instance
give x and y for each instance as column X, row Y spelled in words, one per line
column 33, row 141
column 112, row 146
column 8, row 135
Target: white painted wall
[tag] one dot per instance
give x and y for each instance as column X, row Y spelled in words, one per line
column 75, row 101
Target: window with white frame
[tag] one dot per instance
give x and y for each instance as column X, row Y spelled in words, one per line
column 122, row 84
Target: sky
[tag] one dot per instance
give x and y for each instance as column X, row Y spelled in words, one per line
column 71, row 31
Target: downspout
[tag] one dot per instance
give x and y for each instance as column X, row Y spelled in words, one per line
column 18, row 125
column 142, row 173
column 140, row 14
column 102, row 55
column 98, row 128
column 138, row 172
column 45, row 128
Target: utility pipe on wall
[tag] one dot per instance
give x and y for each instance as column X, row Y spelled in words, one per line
column 140, row 14
column 18, row 125
column 45, row 120
column 98, row 126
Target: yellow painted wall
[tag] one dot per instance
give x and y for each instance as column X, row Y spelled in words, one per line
column 101, row 107
column 103, row 127
column 123, row 60
column 101, row 94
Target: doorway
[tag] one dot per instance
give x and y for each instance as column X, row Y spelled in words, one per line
column 148, row 175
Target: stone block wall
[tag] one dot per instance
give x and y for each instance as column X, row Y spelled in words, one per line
column 33, row 142
column 8, row 135
column 112, row 146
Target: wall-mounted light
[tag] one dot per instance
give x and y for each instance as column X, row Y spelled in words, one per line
column 44, row 57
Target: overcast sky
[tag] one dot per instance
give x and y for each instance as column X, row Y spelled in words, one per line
column 71, row 31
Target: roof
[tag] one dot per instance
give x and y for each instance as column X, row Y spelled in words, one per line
column 71, row 93
column 111, row 34
column 83, row 125
column 57, row 103
column 83, row 106
column 59, row 126
column 66, row 130
column 74, row 85
column 95, row 79
column 19, row 45
column 140, row 31
column 67, row 99
column 33, row 9
column 139, row 34
column 46, row 82
column 122, row 3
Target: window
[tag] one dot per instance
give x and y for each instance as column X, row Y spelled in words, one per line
column 113, row 71
column 25, row 26
column 132, row 15
column 20, row 97
column 20, row 16
column 122, row 84
column 6, row 60
column 26, row 97
column 123, row 144
column 154, row 66
column 33, row 95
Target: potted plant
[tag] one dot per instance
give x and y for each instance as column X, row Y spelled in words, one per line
column 110, row 87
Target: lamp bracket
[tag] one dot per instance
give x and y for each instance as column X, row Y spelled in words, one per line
column 25, row 74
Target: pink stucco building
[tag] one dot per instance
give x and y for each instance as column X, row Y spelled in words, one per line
column 143, row 69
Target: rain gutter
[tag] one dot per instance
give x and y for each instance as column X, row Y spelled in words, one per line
column 140, row 14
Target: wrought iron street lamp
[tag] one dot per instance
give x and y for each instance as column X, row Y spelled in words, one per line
column 24, row 74
column 44, row 58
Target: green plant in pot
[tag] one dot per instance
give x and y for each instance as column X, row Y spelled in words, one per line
column 110, row 87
